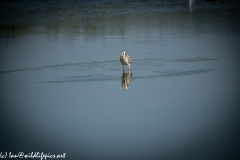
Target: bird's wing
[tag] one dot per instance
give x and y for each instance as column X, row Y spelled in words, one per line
column 129, row 58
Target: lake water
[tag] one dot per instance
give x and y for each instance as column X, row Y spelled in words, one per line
column 63, row 89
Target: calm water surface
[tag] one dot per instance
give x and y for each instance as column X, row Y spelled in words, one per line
column 63, row 89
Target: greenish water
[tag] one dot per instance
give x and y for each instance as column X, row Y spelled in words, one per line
column 63, row 89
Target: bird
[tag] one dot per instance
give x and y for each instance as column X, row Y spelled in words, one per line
column 125, row 60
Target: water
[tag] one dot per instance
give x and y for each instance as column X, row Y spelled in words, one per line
column 63, row 89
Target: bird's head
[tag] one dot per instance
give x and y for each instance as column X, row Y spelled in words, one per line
column 123, row 54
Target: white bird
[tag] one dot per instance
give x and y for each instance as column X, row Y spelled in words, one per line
column 125, row 60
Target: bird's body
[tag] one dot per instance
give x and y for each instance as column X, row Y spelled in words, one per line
column 125, row 60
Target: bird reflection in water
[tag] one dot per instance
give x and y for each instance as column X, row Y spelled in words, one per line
column 126, row 79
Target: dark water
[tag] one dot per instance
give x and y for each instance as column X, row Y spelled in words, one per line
column 63, row 89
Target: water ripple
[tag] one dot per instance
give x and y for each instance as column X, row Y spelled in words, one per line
column 103, row 64
column 114, row 77
column 111, row 70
